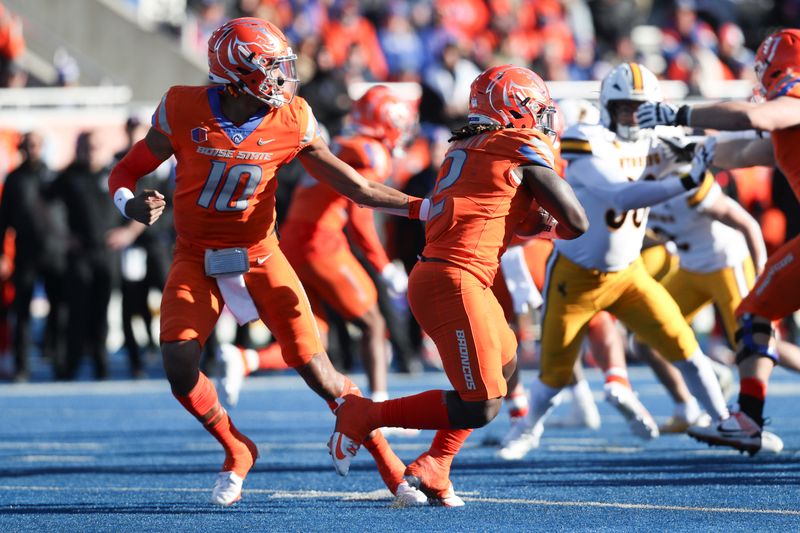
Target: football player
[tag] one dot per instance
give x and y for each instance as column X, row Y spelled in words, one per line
column 314, row 241
column 229, row 139
column 776, row 292
column 495, row 167
column 617, row 171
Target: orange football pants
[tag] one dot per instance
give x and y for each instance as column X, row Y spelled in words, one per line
column 466, row 322
column 776, row 293
column 192, row 302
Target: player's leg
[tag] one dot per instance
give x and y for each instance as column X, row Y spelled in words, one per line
column 570, row 293
column 445, row 300
column 190, row 306
column 649, row 311
column 285, row 309
column 776, row 294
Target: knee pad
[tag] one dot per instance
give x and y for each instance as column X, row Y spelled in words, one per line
column 753, row 338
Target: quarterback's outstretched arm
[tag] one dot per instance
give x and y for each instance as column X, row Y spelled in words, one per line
column 741, row 153
column 558, row 198
column 143, row 158
column 321, row 163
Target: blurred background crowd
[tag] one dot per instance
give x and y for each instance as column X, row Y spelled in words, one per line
column 79, row 273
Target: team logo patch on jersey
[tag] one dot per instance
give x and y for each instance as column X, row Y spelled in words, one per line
column 200, row 135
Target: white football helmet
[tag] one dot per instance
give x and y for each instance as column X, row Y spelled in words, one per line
column 632, row 82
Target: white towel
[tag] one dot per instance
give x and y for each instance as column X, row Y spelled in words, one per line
column 238, row 299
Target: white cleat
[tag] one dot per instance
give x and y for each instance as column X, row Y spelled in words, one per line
column 521, row 439
column 343, row 450
column 233, row 373
column 448, row 499
column 582, row 413
column 738, row 431
column 227, row 489
column 408, row 496
column 625, row 401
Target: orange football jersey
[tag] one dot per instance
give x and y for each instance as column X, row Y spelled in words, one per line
column 477, row 201
column 786, row 141
column 225, row 178
column 318, row 214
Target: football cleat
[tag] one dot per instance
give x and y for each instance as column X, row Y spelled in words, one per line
column 349, row 432
column 521, row 439
column 233, row 373
column 227, row 489
column 625, row 401
column 428, row 476
column 408, row 496
column 583, row 413
column 679, row 424
column 738, row 431
column 770, row 442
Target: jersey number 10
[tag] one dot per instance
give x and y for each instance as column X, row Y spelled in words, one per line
column 225, row 200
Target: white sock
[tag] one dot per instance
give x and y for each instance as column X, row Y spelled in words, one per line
column 689, row 411
column 703, row 384
column 251, row 360
column 543, row 400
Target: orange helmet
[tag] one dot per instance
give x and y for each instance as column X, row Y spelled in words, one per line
column 513, row 97
column 254, row 56
column 777, row 56
column 380, row 114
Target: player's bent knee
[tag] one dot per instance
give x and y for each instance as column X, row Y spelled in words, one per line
column 755, row 338
column 181, row 364
column 372, row 319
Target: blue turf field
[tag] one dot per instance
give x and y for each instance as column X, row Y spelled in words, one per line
column 124, row 457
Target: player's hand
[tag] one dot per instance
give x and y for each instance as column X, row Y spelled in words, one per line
column 396, row 280
column 651, row 114
column 703, row 156
column 677, row 151
column 537, row 223
column 121, row 237
column 146, row 207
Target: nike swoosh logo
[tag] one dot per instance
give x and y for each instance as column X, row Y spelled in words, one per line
column 262, row 142
column 338, row 449
column 261, row 260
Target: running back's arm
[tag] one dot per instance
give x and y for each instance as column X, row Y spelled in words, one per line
column 558, row 198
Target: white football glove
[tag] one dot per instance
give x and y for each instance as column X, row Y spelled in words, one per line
column 703, row 157
column 651, row 114
column 396, row 280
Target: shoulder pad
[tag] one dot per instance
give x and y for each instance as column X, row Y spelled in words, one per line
column 580, row 140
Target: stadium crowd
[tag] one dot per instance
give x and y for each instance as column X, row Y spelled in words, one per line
column 72, row 244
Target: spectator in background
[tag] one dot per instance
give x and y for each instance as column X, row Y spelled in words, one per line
column 448, row 84
column 737, row 59
column 326, row 91
column 144, row 261
column 39, row 251
column 12, row 45
column 82, row 186
column 349, row 32
column 402, row 45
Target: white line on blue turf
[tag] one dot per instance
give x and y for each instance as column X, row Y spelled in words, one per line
column 385, row 495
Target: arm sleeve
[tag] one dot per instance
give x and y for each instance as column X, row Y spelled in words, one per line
column 361, row 228
column 590, row 172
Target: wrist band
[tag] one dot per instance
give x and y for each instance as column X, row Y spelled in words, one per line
column 683, row 115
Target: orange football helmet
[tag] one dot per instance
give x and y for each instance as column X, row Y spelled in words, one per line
column 777, row 56
column 254, row 56
column 380, row 114
column 513, row 97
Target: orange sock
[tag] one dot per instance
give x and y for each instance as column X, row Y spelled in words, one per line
column 446, row 444
column 618, row 374
column 203, row 403
column 426, row 410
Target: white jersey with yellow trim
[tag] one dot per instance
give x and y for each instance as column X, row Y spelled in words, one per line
column 602, row 170
column 704, row 244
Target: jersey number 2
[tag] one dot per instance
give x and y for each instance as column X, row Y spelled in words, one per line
column 457, row 159
column 225, row 201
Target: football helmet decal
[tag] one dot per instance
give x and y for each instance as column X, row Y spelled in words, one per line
column 513, row 97
column 254, row 56
column 777, row 61
column 628, row 82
